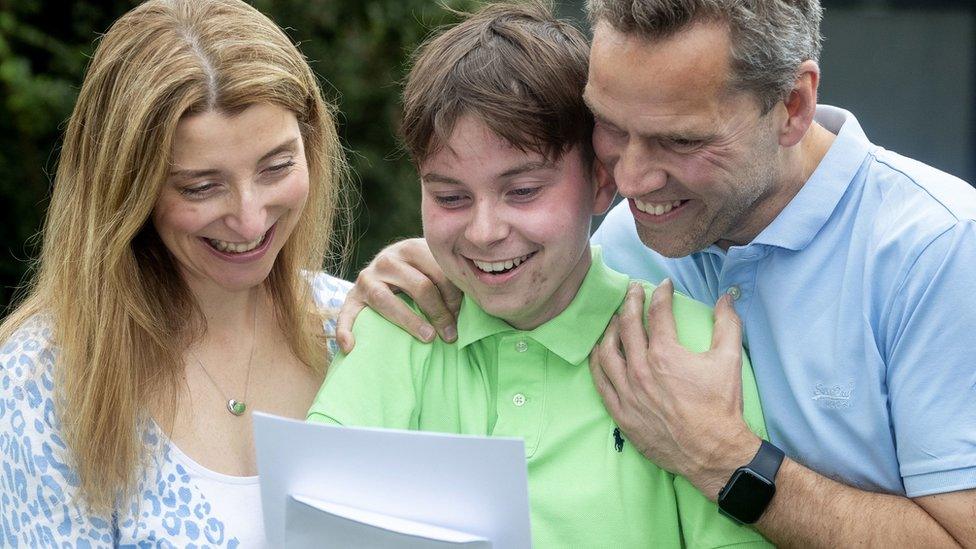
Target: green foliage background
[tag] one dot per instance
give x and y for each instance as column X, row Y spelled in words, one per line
column 358, row 48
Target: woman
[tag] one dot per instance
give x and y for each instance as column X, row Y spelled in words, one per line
column 175, row 291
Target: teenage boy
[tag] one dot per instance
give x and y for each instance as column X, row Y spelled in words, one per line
column 494, row 120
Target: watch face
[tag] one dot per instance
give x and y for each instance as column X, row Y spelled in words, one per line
column 746, row 496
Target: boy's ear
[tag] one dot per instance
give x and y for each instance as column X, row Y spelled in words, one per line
column 605, row 189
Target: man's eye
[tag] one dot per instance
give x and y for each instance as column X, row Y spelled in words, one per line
column 683, row 145
column 609, row 129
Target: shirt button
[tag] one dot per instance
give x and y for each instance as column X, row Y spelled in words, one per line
column 734, row 292
column 518, row 400
column 521, row 346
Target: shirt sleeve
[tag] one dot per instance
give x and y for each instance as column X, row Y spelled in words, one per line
column 40, row 504
column 931, row 376
column 378, row 384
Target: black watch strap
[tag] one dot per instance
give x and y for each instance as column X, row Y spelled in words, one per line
column 767, row 460
column 752, row 486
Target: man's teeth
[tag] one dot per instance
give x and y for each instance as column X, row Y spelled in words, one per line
column 497, row 266
column 656, row 208
column 235, row 247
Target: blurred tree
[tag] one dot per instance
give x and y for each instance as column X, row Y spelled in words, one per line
column 358, row 47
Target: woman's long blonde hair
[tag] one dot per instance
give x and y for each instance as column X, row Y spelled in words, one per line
column 112, row 293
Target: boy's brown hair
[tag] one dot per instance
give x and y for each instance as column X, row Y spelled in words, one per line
column 514, row 66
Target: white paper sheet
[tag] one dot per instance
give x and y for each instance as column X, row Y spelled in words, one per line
column 474, row 486
column 312, row 524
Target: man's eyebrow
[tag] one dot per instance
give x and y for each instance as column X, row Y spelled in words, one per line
column 288, row 146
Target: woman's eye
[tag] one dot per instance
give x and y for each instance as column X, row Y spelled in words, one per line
column 280, row 168
column 197, row 190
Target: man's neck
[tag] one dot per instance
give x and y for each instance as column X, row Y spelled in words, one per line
column 798, row 164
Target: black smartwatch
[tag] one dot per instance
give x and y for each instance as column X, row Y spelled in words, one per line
column 747, row 494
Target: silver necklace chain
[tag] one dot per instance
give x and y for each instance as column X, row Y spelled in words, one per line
column 234, row 406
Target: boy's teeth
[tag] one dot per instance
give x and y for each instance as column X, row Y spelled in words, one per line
column 496, row 266
column 656, row 208
column 235, row 247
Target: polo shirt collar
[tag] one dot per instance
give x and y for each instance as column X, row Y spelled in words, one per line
column 800, row 221
column 573, row 333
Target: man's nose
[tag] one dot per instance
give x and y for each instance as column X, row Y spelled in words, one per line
column 638, row 171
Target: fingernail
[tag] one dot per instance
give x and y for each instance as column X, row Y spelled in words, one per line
column 427, row 333
column 450, row 333
column 667, row 281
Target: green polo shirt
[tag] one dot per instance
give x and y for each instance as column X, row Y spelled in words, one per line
column 585, row 489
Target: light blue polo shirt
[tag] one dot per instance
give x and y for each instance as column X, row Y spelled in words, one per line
column 859, row 310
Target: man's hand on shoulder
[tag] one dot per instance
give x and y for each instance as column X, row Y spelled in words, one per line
column 682, row 410
column 406, row 266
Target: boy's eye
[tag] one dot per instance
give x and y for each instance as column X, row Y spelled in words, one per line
column 450, row 200
column 525, row 192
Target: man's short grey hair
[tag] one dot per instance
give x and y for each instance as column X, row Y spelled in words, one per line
column 770, row 38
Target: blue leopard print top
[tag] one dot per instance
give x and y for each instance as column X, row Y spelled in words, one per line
column 38, row 506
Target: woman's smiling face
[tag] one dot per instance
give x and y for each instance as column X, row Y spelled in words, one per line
column 236, row 188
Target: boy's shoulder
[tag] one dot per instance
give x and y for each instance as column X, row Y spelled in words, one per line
column 693, row 319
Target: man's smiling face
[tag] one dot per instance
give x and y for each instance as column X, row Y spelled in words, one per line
column 696, row 161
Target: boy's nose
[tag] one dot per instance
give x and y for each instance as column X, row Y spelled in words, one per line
column 486, row 227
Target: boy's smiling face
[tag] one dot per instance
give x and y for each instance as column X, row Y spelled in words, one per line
column 509, row 227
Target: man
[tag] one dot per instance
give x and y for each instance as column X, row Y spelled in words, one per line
column 850, row 268
column 495, row 121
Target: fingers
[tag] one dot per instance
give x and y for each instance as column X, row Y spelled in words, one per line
column 632, row 332
column 607, row 367
column 350, row 309
column 660, row 316
column 727, row 335
column 408, row 266
column 441, row 303
column 382, row 299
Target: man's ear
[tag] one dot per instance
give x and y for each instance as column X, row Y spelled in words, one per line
column 605, row 189
column 801, row 104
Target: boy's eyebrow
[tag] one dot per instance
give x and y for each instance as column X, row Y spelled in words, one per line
column 433, row 177
column 527, row 167
column 438, row 178
column 287, row 146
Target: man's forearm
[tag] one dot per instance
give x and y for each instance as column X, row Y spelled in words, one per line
column 810, row 510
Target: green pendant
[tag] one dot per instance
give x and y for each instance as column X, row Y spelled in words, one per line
column 236, row 407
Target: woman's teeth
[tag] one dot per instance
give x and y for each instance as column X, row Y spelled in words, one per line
column 499, row 266
column 656, row 208
column 236, row 247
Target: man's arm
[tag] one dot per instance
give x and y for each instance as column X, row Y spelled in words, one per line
column 406, row 266
column 683, row 411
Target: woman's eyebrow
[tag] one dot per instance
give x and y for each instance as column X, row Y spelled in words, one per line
column 288, row 146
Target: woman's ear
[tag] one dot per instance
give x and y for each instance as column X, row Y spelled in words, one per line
column 604, row 188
